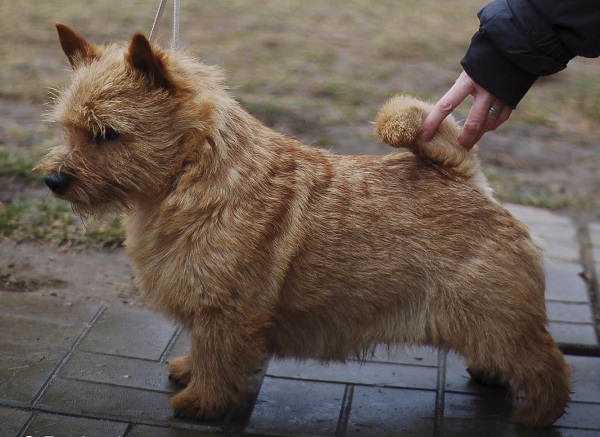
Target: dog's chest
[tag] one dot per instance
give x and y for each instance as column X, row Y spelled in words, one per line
column 156, row 261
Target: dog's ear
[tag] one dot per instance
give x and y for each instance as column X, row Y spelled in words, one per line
column 78, row 50
column 142, row 57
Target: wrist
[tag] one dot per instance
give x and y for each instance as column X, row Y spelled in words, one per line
column 486, row 65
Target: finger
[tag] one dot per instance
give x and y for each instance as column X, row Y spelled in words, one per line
column 496, row 120
column 477, row 121
column 504, row 115
column 444, row 107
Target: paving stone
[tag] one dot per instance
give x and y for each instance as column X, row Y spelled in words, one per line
column 491, row 408
column 574, row 335
column 386, row 411
column 106, row 401
column 12, row 421
column 555, row 234
column 567, row 432
column 564, row 283
column 594, row 230
column 573, row 312
column 293, row 407
column 417, row 356
column 558, row 239
column 537, row 216
column 181, row 346
column 586, row 378
column 581, row 415
column 131, row 332
column 25, row 368
column 561, row 252
column 154, row 431
column 122, row 371
column 58, row 426
column 380, row 374
column 458, row 380
column 47, row 309
column 39, row 332
column 458, row 427
column 558, row 234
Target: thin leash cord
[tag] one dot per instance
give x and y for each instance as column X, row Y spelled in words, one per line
column 176, row 21
column 156, row 24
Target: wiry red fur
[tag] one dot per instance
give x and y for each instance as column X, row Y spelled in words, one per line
column 260, row 245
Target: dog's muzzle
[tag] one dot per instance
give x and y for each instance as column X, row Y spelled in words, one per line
column 57, row 182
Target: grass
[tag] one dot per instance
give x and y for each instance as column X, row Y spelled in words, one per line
column 18, row 166
column 310, row 50
column 583, row 95
column 51, row 220
column 549, row 199
column 416, row 44
column 540, row 199
column 533, row 193
column 569, row 107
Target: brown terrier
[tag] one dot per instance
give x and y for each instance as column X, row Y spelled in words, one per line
column 262, row 246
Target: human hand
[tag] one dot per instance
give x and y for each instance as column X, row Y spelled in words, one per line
column 486, row 113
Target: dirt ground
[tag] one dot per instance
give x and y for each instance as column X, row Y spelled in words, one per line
column 326, row 94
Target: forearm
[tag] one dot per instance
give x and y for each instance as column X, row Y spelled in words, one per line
column 521, row 40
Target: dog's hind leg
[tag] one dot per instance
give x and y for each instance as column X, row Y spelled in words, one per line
column 541, row 375
column 534, row 366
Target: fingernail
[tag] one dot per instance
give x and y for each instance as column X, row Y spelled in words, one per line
column 423, row 136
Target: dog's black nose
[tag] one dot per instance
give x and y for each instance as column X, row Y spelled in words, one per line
column 57, row 182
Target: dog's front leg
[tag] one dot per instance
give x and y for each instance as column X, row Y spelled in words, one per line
column 225, row 349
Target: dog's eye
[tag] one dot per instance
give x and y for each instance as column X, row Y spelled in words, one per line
column 109, row 134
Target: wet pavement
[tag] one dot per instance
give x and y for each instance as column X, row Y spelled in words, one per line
column 82, row 369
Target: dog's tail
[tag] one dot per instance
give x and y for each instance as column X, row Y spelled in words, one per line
column 399, row 122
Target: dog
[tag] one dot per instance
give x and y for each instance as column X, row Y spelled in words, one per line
column 262, row 246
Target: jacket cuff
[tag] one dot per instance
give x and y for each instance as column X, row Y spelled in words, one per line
column 486, row 65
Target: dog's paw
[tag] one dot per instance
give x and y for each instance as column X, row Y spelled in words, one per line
column 179, row 382
column 180, row 370
column 488, row 379
column 187, row 405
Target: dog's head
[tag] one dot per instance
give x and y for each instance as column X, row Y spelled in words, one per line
column 125, row 116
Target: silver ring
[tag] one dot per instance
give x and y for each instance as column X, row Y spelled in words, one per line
column 493, row 112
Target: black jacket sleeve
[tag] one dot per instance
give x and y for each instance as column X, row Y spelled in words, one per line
column 521, row 40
